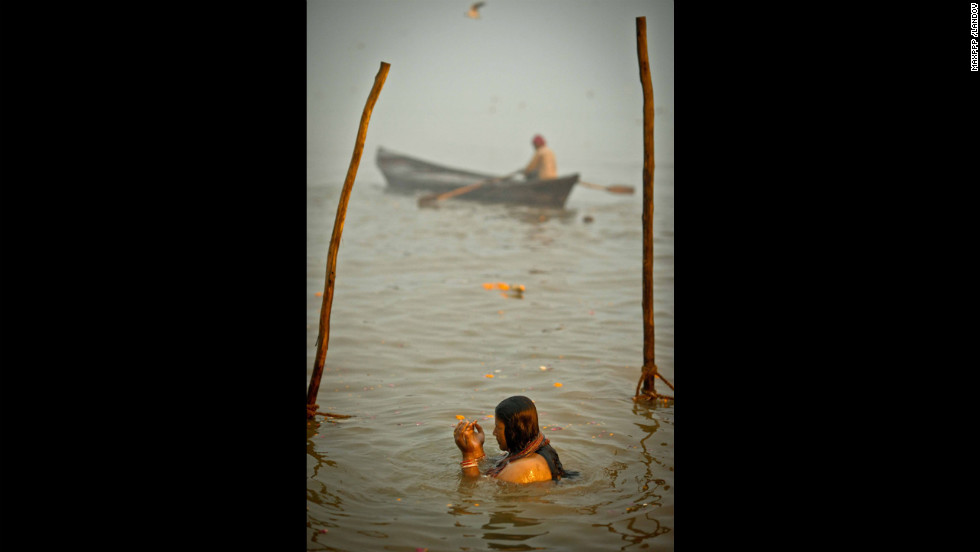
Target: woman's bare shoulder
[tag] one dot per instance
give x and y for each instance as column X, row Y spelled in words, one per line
column 526, row 470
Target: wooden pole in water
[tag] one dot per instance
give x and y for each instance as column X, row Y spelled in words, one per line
column 338, row 228
column 648, row 377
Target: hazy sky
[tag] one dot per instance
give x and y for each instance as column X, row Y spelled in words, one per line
column 471, row 93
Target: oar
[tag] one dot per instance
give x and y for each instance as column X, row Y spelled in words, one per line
column 432, row 199
column 614, row 189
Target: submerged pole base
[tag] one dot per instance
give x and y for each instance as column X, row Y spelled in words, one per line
column 652, row 397
column 646, row 388
column 311, row 412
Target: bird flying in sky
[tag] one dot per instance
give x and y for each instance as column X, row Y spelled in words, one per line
column 474, row 10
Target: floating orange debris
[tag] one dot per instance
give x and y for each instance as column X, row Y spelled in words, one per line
column 557, row 384
column 503, row 286
column 319, row 294
column 460, row 417
column 488, row 376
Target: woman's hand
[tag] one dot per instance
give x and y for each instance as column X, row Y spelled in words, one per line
column 469, row 438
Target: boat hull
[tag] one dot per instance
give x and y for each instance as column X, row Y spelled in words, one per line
column 408, row 175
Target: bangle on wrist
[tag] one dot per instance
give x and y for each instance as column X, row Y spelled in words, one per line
column 471, row 463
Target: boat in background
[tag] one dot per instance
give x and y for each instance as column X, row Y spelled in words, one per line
column 408, row 175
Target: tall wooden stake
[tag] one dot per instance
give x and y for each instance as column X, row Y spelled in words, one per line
column 648, row 377
column 338, row 228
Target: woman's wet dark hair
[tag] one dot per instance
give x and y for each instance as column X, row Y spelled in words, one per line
column 520, row 418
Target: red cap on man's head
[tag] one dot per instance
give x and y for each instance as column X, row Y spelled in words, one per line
column 538, row 140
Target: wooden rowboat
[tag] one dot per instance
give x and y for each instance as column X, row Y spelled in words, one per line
column 409, row 175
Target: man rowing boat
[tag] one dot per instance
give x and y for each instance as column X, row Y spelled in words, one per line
column 542, row 165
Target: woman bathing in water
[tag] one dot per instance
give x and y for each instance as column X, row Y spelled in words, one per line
column 529, row 455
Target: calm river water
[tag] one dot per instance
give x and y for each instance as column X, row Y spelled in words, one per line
column 415, row 337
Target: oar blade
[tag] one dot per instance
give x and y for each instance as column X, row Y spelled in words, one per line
column 614, row 189
column 620, row 189
column 428, row 200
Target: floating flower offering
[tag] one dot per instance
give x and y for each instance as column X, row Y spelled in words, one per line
column 503, row 286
